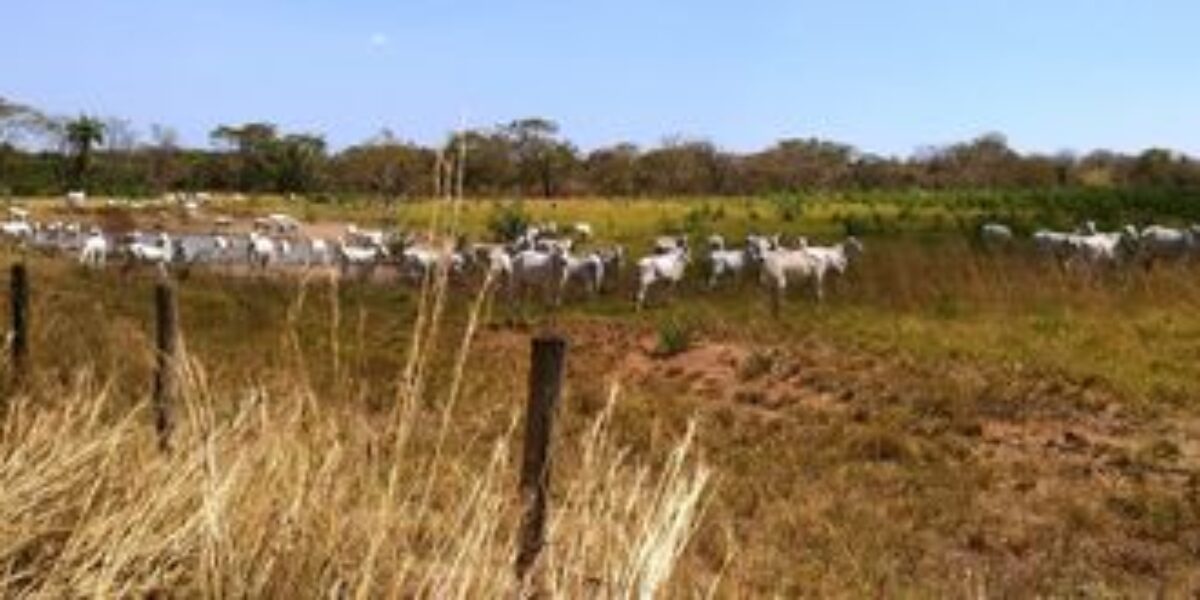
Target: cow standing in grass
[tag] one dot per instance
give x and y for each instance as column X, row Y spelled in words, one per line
column 665, row 268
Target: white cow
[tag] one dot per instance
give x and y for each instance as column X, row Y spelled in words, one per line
column 836, row 258
column 613, row 258
column 362, row 258
column 318, row 252
column 260, row 251
column 732, row 263
column 95, row 249
column 494, row 259
column 418, row 262
column 1157, row 243
column 666, row 268
column 157, row 253
column 17, row 230
column 1056, row 244
column 550, row 244
column 220, row 249
column 587, row 270
column 995, row 234
column 782, row 267
column 1102, row 248
column 538, row 268
column 76, row 199
column 666, row 244
column 368, row 237
column 283, row 223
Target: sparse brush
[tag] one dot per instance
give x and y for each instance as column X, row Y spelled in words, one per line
column 755, row 365
column 674, row 337
column 507, row 221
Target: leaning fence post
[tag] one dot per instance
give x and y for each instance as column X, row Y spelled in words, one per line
column 20, row 320
column 545, row 388
column 166, row 373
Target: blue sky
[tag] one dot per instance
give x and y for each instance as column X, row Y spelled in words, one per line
column 887, row 76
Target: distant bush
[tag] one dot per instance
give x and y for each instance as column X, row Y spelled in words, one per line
column 852, row 225
column 508, row 221
column 789, row 207
column 696, row 220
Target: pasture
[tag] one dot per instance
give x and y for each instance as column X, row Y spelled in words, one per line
column 951, row 421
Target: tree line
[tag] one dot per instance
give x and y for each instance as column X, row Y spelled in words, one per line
column 44, row 155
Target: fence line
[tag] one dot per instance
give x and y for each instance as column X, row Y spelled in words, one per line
column 545, row 389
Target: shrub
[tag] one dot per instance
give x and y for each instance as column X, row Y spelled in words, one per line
column 674, row 338
column 789, row 207
column 695, row 221
column 854, row 226
column 508, row 220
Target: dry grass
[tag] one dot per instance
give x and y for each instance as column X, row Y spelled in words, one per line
column 281, row 497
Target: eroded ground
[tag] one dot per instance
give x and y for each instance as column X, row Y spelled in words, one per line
column 844, row 471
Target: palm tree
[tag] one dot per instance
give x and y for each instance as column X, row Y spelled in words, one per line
column 82, row 135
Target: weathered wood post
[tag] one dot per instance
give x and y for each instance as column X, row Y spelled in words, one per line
column 20, row 321
column 545, row 389
column 166, row 374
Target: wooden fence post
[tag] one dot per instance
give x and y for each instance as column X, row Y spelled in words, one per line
column 545, row 388
column 20, row 321
column 166, row 375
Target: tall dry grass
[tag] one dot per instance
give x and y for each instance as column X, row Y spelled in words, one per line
column 283, row 497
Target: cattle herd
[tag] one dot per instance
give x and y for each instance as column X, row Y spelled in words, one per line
column 545, row 258
column 1088, row 248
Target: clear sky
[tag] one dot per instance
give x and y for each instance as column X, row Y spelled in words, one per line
column 886, row 75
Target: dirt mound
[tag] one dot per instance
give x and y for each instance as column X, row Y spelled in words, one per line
column 768, row 379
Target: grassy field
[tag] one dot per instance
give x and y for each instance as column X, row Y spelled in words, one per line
column 950, row 422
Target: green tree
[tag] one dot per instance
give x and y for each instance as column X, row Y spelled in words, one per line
column 16, row 121
column 986, row 161
column 164, row 169
column 612, row 171
column 1158, row 167
column 385, row 167
column 685, row 167
column 797, row 164
column 544, row 161
column 297, row 161
column 252, row 146
column 491, row 166
column 82, row 135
